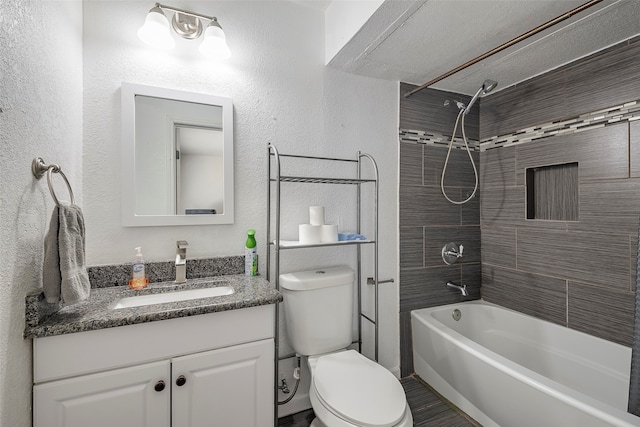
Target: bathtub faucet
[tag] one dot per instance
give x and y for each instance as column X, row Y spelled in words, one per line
column 462, row 289
column 451, row 252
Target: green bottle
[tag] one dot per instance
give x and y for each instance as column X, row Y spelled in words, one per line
column 251, row 254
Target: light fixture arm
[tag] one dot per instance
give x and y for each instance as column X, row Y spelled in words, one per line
column 186, row 12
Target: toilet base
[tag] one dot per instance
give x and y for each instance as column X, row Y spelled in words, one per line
column 407, row 421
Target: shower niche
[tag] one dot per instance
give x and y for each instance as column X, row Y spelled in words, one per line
column 552, row 192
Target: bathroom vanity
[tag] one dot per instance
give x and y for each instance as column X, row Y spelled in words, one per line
column 206, row 361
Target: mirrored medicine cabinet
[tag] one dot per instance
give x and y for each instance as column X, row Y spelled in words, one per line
column 177, row 157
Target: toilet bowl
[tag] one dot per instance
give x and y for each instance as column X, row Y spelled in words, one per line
column 348, row 390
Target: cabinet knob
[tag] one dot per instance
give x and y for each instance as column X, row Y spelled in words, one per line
column 181, row 380
column 159, row 386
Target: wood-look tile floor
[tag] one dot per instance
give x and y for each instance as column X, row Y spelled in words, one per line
column 427, row 408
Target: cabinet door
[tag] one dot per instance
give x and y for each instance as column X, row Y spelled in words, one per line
column 229, row 387
column 121, row 397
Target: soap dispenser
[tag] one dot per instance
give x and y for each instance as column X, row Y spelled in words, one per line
column 139, row 280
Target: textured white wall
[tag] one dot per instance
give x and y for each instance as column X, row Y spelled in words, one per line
column 41, row 95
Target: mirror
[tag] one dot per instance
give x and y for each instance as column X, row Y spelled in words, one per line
column 177, row 157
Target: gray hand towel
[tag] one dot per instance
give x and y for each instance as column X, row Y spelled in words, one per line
column 69, row 277
column 51, row 278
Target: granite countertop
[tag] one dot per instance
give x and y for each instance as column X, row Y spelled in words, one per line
column 96, row 312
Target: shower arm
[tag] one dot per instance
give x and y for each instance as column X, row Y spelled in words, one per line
column 503, row 46
column 473, row 100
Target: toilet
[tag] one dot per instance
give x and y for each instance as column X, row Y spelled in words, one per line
column 347, row 389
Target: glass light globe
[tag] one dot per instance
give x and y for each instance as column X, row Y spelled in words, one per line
column 214, row 43
column 155, row 31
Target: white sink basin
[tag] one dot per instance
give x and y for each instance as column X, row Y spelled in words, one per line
column 174, row 296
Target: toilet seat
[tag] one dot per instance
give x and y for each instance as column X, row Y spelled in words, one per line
column 358, row 390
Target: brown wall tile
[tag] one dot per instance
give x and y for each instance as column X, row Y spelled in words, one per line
column 502, row 206
column 411, row 164
column 499, row 246
column 498, row 168
column 633, row 266
column 586, row 257
column 601, row 311
column 540, row 296
column 411, row 247
column 609, row 205
column 426, row 206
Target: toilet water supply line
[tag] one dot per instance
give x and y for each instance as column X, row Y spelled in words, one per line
column 446, row 161
column 284, row 388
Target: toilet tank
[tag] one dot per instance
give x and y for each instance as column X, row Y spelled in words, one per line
column 318, row 306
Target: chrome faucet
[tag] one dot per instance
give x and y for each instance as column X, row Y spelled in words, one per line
column 462, row 289
column 181, row 261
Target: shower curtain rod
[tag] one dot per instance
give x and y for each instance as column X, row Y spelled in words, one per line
column 503, row 46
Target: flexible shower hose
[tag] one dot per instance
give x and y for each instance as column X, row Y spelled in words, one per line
column 446, row 161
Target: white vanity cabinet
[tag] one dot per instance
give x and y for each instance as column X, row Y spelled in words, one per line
column 136, row 396
column 225, row 387
column 208, row 370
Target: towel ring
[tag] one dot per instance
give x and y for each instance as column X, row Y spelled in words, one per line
column 39, row 168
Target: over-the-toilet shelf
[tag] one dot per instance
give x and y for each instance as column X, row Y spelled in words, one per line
column 276, row 178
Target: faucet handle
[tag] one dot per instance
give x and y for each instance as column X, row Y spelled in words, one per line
column 182, row 244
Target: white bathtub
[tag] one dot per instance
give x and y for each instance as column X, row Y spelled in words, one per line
column 507, row 369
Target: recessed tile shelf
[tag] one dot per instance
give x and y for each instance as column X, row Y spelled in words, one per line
column 552, row 192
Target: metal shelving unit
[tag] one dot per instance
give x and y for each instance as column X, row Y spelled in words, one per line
column 275, row 179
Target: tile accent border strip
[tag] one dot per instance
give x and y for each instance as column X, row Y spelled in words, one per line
column 435, row 139
column 628, row 112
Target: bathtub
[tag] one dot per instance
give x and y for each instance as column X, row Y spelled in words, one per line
column 504, row 368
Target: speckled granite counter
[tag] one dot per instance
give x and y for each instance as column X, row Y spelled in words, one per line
column 96, row 312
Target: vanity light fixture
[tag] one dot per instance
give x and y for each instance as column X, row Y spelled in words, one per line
column 156, row 31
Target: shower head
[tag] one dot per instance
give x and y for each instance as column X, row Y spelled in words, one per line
column 487, row 86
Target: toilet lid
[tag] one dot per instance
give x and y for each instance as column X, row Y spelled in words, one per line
column 359, row 390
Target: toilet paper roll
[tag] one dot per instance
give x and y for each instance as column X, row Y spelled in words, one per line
column 309, row 234
column 316, row 215
column 329, row 233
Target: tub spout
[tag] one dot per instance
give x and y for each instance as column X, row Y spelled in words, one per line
column 462, row 289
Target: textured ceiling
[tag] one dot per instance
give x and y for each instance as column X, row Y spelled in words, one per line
column 417, row 41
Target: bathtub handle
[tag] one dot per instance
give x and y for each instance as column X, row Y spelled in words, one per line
column 451, row 252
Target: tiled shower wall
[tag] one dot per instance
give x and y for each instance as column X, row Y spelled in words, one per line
column 581, row 273
column 427, row 220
